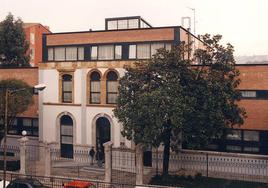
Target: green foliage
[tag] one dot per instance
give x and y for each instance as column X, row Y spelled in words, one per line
column 19, row 98
column 13, row 46
column 169, row 99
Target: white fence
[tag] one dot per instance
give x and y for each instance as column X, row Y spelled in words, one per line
column 217, row 164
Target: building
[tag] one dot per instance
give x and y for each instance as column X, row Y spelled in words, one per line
column 28, row 120
column 33, row 33
column 81, row 71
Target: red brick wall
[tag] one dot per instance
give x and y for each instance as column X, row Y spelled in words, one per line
column 111, row 36
column 38, row 31
column 29, row 75
column 254, row 77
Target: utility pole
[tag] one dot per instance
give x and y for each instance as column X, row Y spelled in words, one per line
column 5, row 136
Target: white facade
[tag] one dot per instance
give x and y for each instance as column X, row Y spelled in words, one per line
column 84, row 115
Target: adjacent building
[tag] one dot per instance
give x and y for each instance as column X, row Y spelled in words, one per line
column 33, row 33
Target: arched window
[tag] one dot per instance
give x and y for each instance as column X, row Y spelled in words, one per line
column 66, row 136
column 112, row 87
column 95, row 88
column 67, row 88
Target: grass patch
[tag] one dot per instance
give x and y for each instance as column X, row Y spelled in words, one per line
column 203, row 182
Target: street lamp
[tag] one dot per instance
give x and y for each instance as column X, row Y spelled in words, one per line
column 36, row 88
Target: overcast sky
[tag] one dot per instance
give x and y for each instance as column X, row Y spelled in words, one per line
column 242, row 23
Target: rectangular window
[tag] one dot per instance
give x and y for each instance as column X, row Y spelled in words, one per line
column 122, row 24
column 27, row 122
column 14, row 127
column 233, row 148
column 252, row 149
column 106, row 52
column 249, row 94
column 94, row 52
column 59, row 53
column 155, row 47
column 234, row 135
column 132, row 52
column 50, row 54
column 112, row 88
column 118, row 52
column 133, row 23
column 251, row 136
column 112, row 25
column 80, row 53
column 95, row 92
column 71, row 53
column 143, row 51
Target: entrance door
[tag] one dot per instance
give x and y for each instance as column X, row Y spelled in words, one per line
column 66, row 136
column 103, row 134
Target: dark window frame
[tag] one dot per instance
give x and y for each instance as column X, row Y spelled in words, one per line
column 66, row 92
column 108, row 93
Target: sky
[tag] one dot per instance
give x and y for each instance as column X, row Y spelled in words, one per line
column 243, row 23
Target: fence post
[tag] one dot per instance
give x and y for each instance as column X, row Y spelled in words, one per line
column 139, row 165
column 108, row 161
column 23, row 155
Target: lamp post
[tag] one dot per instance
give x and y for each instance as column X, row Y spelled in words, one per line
column 36, row 88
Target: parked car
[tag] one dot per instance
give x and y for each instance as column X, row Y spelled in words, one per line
column 26, row 183
column 78, row 184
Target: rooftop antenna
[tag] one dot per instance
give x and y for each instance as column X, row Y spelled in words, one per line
column 193, row 9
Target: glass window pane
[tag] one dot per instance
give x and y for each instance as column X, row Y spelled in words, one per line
column 66, row 130
column 118, row 52
column 233, row 148
column 111, row 97
column 251, row 136
column 234, row 135
column 112, row 25
column 251, row 149
column 143, row 51
column 50, row 54
column 71, row 53
column 27, row 122
column 249, row 94
column 112, row 86
column 132, row 52
column 67, row 139
column 80, row 53
column 95, row 86
column 94, row 52
column 59, row 53
column 67, row 86
column 122, row 24
column 133, row 23
column 35, row 122
column 106, row 52
column 155, row 47
column 95, row 98
column 67, row 97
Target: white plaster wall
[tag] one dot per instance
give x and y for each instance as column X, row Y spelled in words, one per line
column 77, row 86
column 50, row 115
column 51, row 79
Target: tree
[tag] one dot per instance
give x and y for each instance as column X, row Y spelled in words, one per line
column 13, row 46
column 19, row 98
column 169, row 99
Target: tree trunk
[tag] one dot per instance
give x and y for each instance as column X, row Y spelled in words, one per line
column 166, row 150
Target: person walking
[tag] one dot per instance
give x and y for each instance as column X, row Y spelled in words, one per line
column 92, row 155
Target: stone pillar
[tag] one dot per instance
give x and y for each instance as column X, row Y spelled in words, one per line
column 23, row 155
column 47, row 159
column 139, row 165
column 108, row 161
